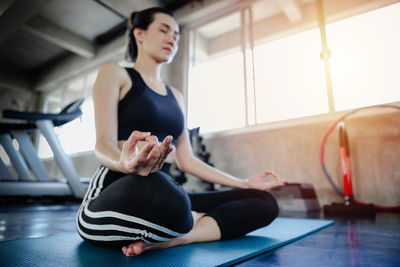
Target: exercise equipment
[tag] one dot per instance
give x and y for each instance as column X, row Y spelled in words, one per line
column 351, row 206
column 26, row 184
column 200, row 150
column 76, row 252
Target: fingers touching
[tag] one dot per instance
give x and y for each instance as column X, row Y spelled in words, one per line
column 134, row 138
column 278, row 182
column 165, row 150
column 273, row 174
column 152, row 156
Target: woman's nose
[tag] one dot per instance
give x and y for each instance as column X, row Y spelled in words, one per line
column 171, row 40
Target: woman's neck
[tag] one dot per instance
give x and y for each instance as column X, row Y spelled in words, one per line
column 148, row 68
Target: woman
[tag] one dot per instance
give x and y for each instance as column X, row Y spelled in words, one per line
column 132, row 203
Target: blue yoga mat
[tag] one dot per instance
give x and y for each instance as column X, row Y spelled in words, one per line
column 68, row 249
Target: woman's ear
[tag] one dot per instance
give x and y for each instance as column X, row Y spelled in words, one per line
column 138, row 33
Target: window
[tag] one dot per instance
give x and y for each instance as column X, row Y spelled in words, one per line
column 78, row 135
column 228, row 89
column 218, row 80
column 365, row 59
column 262, row 64
column 289, row 78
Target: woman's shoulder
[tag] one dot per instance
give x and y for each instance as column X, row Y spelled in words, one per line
column 112, row 67
column 112, row 70
column 178, row 95
column 176, row 92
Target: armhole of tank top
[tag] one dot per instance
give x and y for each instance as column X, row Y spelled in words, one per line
column 169, row 90
column 128, row 72
column 173, row 95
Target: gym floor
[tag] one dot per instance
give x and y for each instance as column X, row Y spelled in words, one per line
column 349, row 242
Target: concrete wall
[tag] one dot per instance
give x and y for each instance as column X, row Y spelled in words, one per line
column 294, row 152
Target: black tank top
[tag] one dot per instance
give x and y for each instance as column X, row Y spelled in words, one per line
column 145, row 110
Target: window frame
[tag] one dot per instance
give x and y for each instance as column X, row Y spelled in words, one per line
column 322, row 19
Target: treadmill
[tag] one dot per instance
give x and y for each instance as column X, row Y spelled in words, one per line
column 33, row 179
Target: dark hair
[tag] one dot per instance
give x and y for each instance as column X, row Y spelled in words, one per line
column 141, row 20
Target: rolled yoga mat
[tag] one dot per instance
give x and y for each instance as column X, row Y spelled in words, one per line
column 68, row 249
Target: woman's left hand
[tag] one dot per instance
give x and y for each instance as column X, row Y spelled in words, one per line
column 258, row 182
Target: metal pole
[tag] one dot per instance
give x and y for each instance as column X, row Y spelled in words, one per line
column 325, row 54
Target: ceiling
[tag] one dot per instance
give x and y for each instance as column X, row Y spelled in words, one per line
column 35, row 36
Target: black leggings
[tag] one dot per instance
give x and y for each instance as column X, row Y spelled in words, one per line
column 119, row 209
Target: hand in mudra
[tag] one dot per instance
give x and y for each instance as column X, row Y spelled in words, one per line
column 149, row 159
column 258, row 181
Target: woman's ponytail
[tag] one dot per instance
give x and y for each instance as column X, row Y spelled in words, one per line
column 132, row 18
column 131, row 52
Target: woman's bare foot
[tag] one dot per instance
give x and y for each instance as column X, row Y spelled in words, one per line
column 135, row 248
column 138, row 247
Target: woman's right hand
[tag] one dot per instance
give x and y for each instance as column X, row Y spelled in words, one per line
column 149, row 159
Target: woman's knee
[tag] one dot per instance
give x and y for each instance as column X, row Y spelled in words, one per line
column 178, row 215
column 172, row 202
column 265, row 209
column 252, row 193
column 271, row 206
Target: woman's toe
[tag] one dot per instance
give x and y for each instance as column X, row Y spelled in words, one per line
column 138, row 248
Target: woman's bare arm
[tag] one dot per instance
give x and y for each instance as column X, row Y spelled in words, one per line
column 106, row 92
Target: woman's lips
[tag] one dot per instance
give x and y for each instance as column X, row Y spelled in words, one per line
column 169, row 50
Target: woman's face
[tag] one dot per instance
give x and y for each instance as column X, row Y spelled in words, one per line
column 160, row 40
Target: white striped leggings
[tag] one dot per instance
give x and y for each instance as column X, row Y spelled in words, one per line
column 119, row 209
